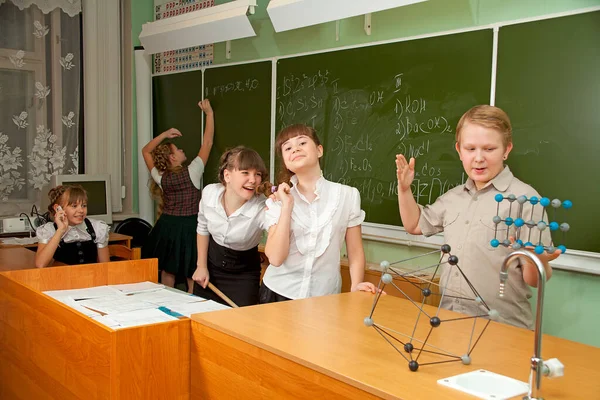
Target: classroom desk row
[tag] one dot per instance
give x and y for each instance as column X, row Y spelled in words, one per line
column 14, row 256
column 316, row 347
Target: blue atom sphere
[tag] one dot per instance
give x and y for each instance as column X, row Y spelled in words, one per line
column 539, row 249
column 528, row 244
column 553, row 226
column 498, row 197
column 565, row 227
column 533, row 200
column 508, row 221
column 519, row 222
column 567, row 204
column 520, row 242
column 495, row 243
column 545, row 201
column 562, row 248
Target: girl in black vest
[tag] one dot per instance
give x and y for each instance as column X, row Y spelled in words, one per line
column 231, row 221
column 177, row 189
column 71, row 238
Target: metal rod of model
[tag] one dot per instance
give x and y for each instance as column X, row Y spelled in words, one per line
column 536, row 361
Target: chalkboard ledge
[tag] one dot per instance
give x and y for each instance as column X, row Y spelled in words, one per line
column 573, row 260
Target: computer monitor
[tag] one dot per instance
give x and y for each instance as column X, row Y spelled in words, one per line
column 97, row 188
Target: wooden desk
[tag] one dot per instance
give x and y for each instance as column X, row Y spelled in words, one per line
column 320, row 348
column 411, row 286
column 113, row 238
column 14, row 258
column 50, row 351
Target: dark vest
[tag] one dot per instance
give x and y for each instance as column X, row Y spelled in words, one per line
column 78, row 252
column 180, row 196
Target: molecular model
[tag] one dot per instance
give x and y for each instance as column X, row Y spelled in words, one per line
column 412, row 349
column 519, row 223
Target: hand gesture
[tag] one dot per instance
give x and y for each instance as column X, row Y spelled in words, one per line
column 405, row 171
column 201, row 276
column 284, row 196
column 545, row 257
column 60, row 218
column 171, row 133
column 366, row 287
column 205, row 106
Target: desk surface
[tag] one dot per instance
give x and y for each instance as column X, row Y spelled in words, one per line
column 16, row 258
column 113, row 238
column 327, row 334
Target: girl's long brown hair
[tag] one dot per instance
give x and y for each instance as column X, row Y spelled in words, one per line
column 162, row 162
column 284, row 174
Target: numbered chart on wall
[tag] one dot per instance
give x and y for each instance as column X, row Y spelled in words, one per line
column 369, row 104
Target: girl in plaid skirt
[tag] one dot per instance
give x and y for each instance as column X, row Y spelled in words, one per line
column 173, row 239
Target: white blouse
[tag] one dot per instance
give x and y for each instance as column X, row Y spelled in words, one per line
column 318, row 231
column 77, row 233
column 242, row 230
column 196, row 169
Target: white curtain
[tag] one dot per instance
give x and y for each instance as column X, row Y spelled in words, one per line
column 40, row 97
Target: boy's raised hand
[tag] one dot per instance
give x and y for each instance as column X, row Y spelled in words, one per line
column 405, row 171
column 171, row 133
column 205, row 106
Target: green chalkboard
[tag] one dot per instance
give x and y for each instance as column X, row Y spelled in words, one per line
column 175, row 103
column 370, row 103
column 548, row 82
column 241, row 98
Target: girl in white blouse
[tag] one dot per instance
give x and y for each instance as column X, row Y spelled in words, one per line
column 71, row 238
column 230, row 226
column 308, row 225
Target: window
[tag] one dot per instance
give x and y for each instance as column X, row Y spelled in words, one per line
column 40, row 99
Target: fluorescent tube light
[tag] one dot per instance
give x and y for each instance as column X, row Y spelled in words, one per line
column 210, row 25
column 292, row 14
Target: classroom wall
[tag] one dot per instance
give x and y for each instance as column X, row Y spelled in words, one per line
column 571, row 309
column 142, row 11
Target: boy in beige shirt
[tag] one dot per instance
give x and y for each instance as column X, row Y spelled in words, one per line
column 464, row 214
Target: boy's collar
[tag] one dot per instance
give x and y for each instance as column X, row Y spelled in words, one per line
column 500, row 182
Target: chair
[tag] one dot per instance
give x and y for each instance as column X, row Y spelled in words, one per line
column 120, row 252
column 137, row 228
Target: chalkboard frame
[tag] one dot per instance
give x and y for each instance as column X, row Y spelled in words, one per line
column 574, row 260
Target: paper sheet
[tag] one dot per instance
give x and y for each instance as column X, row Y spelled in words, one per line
column 116, row 304
column 140, row 317
column 129, row 288
column 74, row 305
column 198, row 307
column 166, row 297
column 85, row 293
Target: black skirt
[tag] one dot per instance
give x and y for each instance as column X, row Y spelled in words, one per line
column 235, row 273
column 173, row 242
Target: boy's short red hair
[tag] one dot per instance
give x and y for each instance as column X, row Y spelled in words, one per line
column 490, row 117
